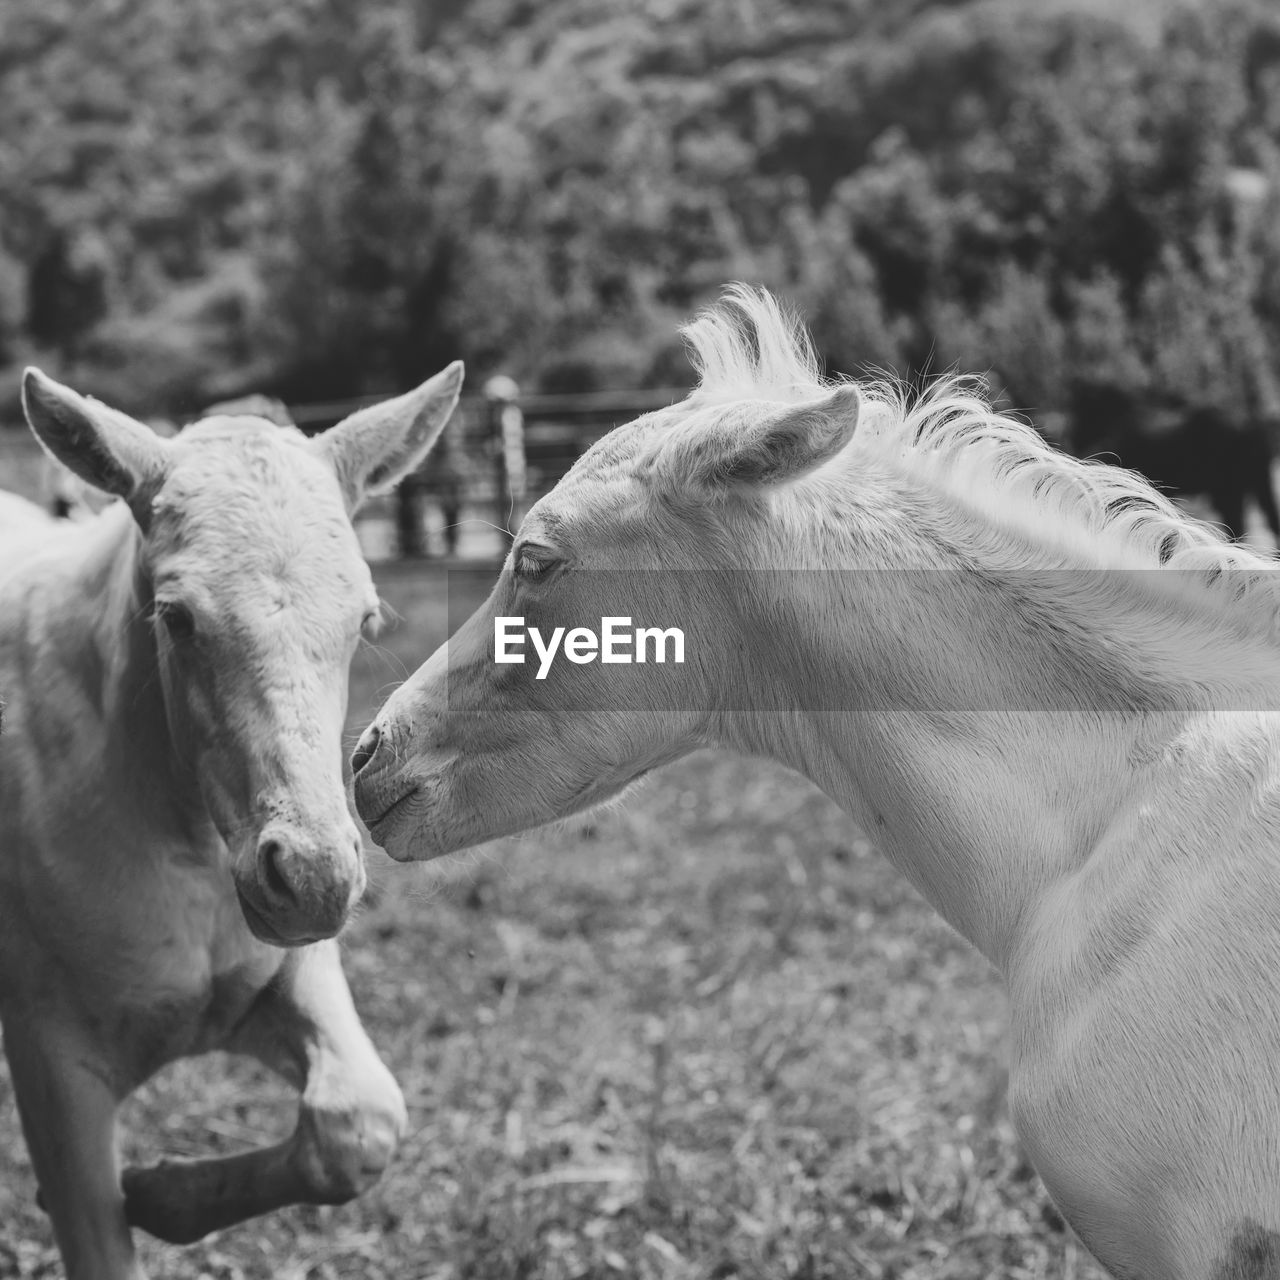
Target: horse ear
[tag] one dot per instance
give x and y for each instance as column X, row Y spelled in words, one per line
column 375, row 448
column 783, row 445
column 104, row 447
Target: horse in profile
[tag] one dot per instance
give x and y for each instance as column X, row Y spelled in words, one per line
column 1047, row 693
column 176, row 849
column 1186, row 450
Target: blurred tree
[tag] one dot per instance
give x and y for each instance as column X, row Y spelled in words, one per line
column 67, row 292
column 1014, row 338
column 320, row 199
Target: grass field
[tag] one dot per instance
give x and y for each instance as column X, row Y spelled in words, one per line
column 709, row 1035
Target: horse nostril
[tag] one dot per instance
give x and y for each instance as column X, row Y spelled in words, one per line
column 366, row 748
column 274, row 880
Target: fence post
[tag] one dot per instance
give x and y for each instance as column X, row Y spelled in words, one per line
column 506, row 433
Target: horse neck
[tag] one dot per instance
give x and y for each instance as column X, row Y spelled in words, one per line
column 100, row 625
column 979, row 738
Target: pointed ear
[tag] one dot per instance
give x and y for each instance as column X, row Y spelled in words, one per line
column 780, row 444
column 375, row 448
column 104, row 447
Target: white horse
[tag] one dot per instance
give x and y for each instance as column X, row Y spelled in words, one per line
column 1045, row 691
column 176, row 850
column 21, row 514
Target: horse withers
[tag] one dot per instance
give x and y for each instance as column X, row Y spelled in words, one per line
column 176, row 850
column 1048, row 694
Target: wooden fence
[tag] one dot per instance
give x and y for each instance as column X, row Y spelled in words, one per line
column 500, row 453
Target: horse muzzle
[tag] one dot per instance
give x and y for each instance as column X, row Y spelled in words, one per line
column 298, row 887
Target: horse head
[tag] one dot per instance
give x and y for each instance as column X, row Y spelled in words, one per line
column 249, row 594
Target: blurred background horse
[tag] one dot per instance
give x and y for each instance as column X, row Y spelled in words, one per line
column 1184, row 449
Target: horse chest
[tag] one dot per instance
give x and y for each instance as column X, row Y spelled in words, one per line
column 174, row 1019
column 190, row 969
column 153, row 955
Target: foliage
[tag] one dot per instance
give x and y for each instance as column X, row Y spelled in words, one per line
column 319, row 199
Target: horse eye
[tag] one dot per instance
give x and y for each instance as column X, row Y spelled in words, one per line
column 535, row 564
column 176, row 619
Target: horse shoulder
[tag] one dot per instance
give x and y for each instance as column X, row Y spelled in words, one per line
column 1145, row 1029
column 142, row 945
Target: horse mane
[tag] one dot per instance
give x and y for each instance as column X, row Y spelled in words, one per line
column 1084, row 513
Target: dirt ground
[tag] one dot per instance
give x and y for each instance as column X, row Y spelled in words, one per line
column 706, row 1035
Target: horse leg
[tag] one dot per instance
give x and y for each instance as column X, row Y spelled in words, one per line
column 305, row 1026
column 68, row 1114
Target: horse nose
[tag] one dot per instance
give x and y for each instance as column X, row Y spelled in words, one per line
column 366, row 748
column 302, row 888
column 272, row 864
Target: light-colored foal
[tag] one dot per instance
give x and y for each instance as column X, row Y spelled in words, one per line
column 176, row 851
